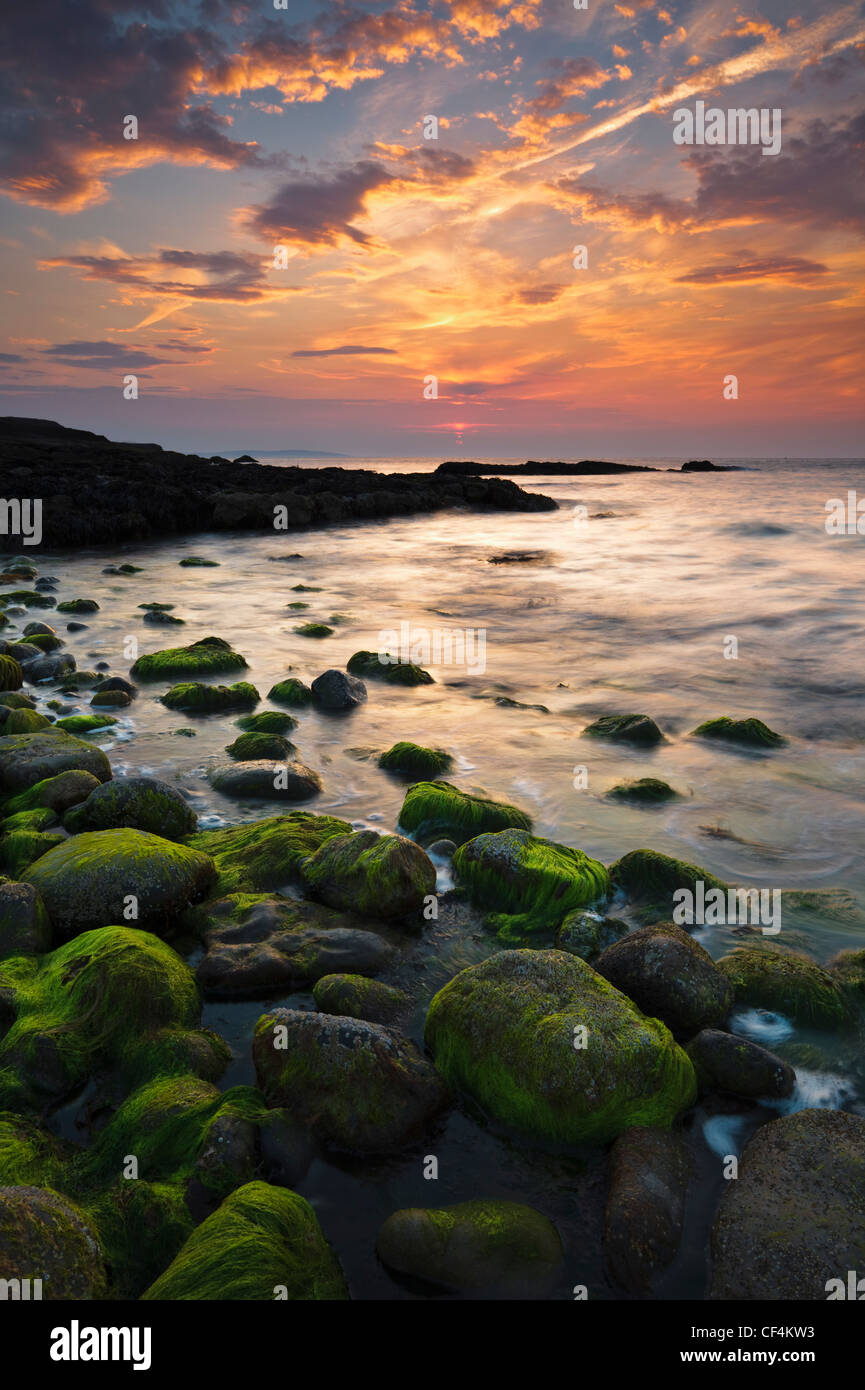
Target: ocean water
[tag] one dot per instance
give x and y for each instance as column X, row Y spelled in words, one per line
column 627, row 604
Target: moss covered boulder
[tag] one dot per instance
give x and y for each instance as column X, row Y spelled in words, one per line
column 25, row 721
column 103, row 876
column 793, row 1224
column 747, row 733
column 290, row 692
column 135, row 803
column 770, row 977
column 645, row 791
column 360, row 1087
column 263, row 1243
column 438, row 810
column 411, row 760
column 78, row 605
column 85, row 724
column 261, row 778
column 267, row 721
column 11, row 675
column 196, row 698
column 354, row 996
column 258, row 945
column 57, row 793
column 546, row 1046
column 113, row 999
column 375, row 875
column 29, row 758
column 652, row 878
column 210, row 657
column 254, row 746
column 370, row 666
column 638, row 729
column 494, row 1247
column 586, row 933
column 530, row 884
column 44, row 1236
column 670, row 976
column 21, row 848
column 263, row 854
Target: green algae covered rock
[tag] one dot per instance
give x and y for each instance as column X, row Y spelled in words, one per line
column 359, row 1087
column 749, row 733
column 26, row 721
column 314, row 630
column 11, row 675
column 209, row 657
column 770, row 977
column 354, row 996
column 793, row 1224
column 44, row 1236
column 21, row 848
column 29, row 758
column 197, row 562
column 645, row 791
column 438, row 810
column 508, row 1033
column 197, row 698
column 532, row 884
column 290, row 692
column 114, row 998
column 255, row 746
column 265, row 854
column 29, row 1154
column 16, row 699
column 503, row 1249
column 89, row 880
column 370, row 665
column 57, row 793
column 263, row 1243
column 625, row 728
column 84, row 724
column 653, row 878
column 78, row 605
column 586, row 933
column 267, row 721
column 135, row 803
column 412, row 760
column 375, row 875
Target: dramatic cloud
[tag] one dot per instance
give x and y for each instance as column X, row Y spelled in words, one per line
column 320, row 212
column 103, row 356
column 220, row 277
column 348, row 350
column 754, row 268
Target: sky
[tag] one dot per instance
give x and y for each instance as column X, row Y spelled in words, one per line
column 283, row 259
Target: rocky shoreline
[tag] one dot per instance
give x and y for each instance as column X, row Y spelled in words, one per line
column 95, row 491
column 594, row 1029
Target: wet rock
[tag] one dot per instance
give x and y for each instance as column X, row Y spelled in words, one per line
column 358, row 1086
column 370, row 666
column 645, row 791
column 270, row 945
column 435, row 809
column 227, row 1160
column 44, row 1236
column 587, row 934
column 645, row 1214
column 726, row 1062
column 499, row 1248
column 413, row 761
column 770, row 977
column 282, row 781
column 286, row 1149
column 626, row 728
column 794, row 1220
column 670, row 976
column 198, row 698
column 56, row 793
column 255, row 747
column 25, row 929
column 335, row 690
column 748, row 733
column 262, row 854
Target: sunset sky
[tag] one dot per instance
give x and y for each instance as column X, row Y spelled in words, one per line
column 406, row 257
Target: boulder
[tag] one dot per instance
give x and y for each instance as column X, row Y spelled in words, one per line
column 334, row 690
column 669, row 976
column 45, row 1237
column 29, row 758
column 645, row 1213
column 137, row 803
column 725, row 1062
column 433, row 810
column 375, row 875
column 546, row 1046
column 278, row 781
